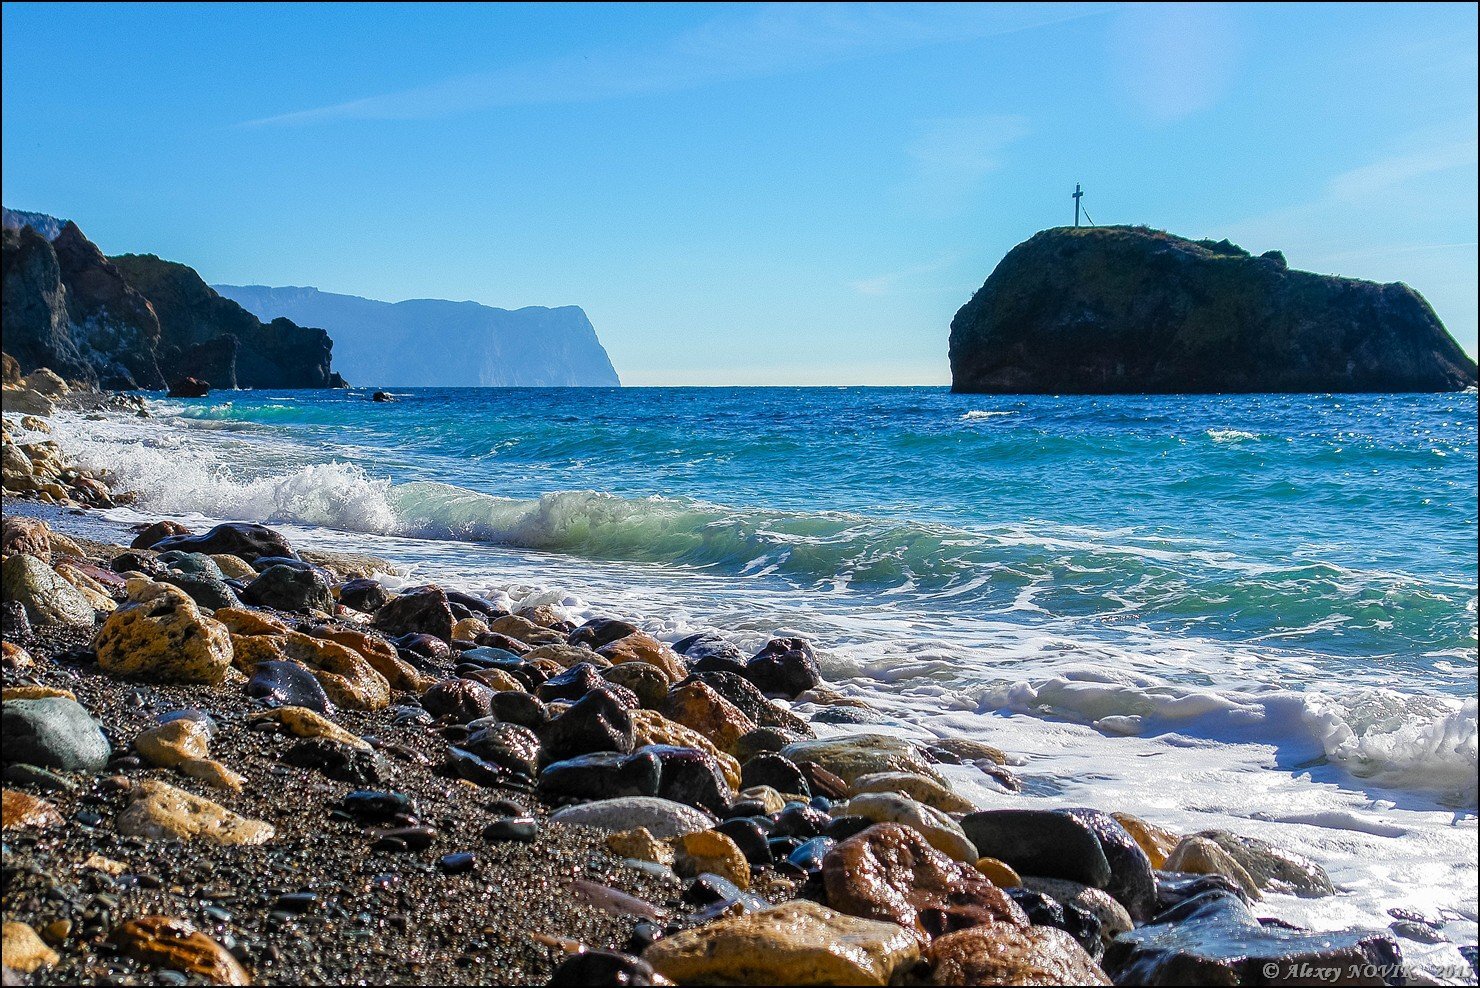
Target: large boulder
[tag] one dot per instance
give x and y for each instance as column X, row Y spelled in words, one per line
column 46, row 597
column 1110, row 310
column 53, row 732
column 236, row 538
column 162, row 637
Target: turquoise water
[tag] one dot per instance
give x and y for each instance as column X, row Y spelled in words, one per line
column 1343, row 524
column 1255, row 613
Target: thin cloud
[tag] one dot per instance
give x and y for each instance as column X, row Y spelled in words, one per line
column 952, row 156
column 884, row 284
column 1174, row 60
column 770, row 40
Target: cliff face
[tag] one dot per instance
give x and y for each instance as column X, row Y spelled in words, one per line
column 66, row 307
column 206, row 336
column 1102, row 310
column 430, row 342
column 137, row 321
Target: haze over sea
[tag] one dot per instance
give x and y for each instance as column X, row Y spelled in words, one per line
column 1269, row 599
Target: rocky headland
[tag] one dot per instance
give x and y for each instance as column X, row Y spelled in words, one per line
column 1131, row 310
column 233, row 760
column 136, row 321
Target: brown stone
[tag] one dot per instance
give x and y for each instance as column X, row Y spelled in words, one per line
column 890, row 872
column 306, row 723
column 183, row 744
column 21, row 809
column 29, row 535
column 381, row 655
column 240, row 621
column 23, row 950
column 347, row 677
column 713, row 852
column 162, row 941
column 1157, row 842
column 568, row 655
column 651, row 727
column 796, row 943
column 161, row 810
column 1003, row 954
column 699, row 706
column 526, row 631
column 642, row 647
column 162, row 637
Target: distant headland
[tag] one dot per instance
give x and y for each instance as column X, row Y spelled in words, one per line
column 1125, row 310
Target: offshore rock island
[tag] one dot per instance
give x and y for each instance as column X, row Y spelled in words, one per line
column 1131, row 310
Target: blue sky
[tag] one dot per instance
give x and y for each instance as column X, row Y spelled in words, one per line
column 742, row 194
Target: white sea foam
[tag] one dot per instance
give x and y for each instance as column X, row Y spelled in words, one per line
column 1230, row 435
column 978, row 415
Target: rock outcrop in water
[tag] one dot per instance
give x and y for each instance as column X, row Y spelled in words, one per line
column 437, row 343
column 1116, row 310
column 137, row 321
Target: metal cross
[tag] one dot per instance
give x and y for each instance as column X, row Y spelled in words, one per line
column 1078, row 194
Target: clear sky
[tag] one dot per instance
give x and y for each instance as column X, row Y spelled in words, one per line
column 742, row 194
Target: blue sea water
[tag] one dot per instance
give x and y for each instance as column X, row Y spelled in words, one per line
column 1256, row 612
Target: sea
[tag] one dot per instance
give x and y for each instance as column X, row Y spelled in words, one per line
column 1251, row 612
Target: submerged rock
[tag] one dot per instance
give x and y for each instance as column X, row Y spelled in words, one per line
column 1214, row 939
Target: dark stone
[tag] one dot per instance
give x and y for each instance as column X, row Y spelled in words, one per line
column 135, row 561
column 463, row 764
column 204, row 590
column 475, row 604
column 1213, row 939
column 422, row 611
column 599, row 632
column 840, row 828
column 493, row 639
column 53, row 732
column 188, row 387
column 785, row 667
column 458, row 700
column 823, row 782
column 691, row 777
column 457, row 863
column 266, row 562
column 602, row 968
column 236, row 538
column 776, row 771
column 848, row 715
column 800, row 820
column 520, row 708
column 1131, row 881
column 719, row 663
column 597, row 721
column 381, row 396
column 195, row 563
column 288, row 684
column 375, row 805
column 1114, row 310
column 602, row 775
column 752, row 702
column 296, row 902
column 511, row 746
column 13, row 620
column 1045, row 843
column 404, row 838
column 752, row 743
column 809, row 854
column 646, row 681
column 1174, row 888
column 519, row 829
column 363, row 594
column 157, row 531
column 1044, row 910
column 424, row 646
column 337, row 760
column 572, row 684
column 749, row 838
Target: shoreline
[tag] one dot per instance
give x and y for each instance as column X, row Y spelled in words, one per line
column 461, row 811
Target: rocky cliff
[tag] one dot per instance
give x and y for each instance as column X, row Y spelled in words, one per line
column 138, row 321
column 1103, row 310
column 431, row 342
